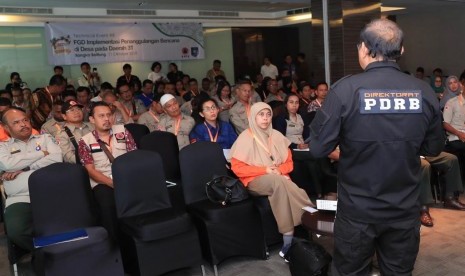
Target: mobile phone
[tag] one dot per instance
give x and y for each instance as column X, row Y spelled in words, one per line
column 94, row 70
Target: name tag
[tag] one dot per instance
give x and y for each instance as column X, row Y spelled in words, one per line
column 95, row 148
column 379, row 101
column 13, row 151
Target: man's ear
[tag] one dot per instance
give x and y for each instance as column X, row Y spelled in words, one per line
column 402, row 50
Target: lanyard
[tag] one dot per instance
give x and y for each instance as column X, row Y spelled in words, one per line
column 305, row 101
column 154, row 117
column 177, row 125
column 210, row 134
column 267, row 149
column 319, row 104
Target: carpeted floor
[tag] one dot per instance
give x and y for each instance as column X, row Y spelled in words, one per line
column 442, row 252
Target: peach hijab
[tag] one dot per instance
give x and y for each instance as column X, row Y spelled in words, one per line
column 260, row 147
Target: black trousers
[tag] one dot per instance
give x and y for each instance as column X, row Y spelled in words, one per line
column 396, row 245
column 106, row 209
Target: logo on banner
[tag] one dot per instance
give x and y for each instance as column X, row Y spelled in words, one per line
column 185, row 52
column 194, row 51
column 61, row 45
column 373, row 101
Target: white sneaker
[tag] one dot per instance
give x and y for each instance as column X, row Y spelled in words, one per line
column 281, row 254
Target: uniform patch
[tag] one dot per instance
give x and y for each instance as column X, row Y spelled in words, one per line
column 379, row 101
column 13, row 151
column 95, row 148
column 120, row 137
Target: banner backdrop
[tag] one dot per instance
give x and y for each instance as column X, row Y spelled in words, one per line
column 74, row 43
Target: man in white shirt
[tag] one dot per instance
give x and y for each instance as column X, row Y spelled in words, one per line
column 268, row 69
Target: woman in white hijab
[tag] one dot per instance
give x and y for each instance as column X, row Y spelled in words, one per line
column 262, row 160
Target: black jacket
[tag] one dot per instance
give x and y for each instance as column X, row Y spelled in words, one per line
column 379, row 168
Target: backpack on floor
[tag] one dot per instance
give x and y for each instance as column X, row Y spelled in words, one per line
column 307, row 258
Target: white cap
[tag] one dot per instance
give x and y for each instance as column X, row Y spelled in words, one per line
column 166, row 98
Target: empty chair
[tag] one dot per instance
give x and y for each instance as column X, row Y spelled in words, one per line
column 137, row 131
column 162, row 238
column 166, row 144
column 61, row 202
column 225, row 231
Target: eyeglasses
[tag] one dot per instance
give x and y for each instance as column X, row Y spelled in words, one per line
column 208, row 108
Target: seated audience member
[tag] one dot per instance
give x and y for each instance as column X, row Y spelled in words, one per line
column 194, row 91
column 453, row 123
column 106, row 87
column 120, row 112
column 291, row 125
column 453, row 88
column 420, row 74
column 170, row 88
column 89, row 79
column 151, row 118
column 97, row 151
column 20, row 156
column 241, row 109
column 68, row 95
column 321, row 92
column 6, row 95
column 274, row 93
column 215, row 71
column 156, row 75
column 211, row 128
column 174, row 74
column 268, row 69
column 258, row 82
column 449, row 170
column 174, row 121
column 58, row 70
column 134, row 106
column 262, row 161
column 72, row 131
column 262, row 90
column 180, row 89
column 305, row 93
column 436, row 84
column 83, row 98
column 159, row 88
column 127, row 77
column 206, row 87
column 18, row 99
column 147, row 93
column 224, row 99
column 15, row 80
column 42, row 100
column 54, row 124
column 185, row 81
column 5, row 104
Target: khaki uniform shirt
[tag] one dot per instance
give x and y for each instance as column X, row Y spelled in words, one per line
column 16, row 155
column 294, row 130
column 67, row 147
column 271, row 97
column 138, row 105
column 238, row 117
column 150, row 119
column 168, row 123
column 52, row 127
column 454, row 114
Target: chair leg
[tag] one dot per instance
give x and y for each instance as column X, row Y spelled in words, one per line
column 15, row 269
column 215, row 269
column 202, row 267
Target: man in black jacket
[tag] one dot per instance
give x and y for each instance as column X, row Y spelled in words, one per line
column 383, row 120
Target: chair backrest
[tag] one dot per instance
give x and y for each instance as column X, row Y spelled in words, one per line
column 166, row 144
column 139, row 183
column 61, row 199
column 137, row 131
column 199, row 162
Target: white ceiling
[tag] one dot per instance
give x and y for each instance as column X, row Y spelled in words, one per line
column 217, row 5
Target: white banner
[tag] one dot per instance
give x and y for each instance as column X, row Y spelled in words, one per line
column 74, row 43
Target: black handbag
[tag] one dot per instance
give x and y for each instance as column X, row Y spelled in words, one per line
column 307, row 258
column 225, row 189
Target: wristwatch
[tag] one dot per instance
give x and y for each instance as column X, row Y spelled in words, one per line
column 26, row 169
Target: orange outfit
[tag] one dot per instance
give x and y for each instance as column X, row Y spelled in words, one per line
column 247, row 173
column 4, row 136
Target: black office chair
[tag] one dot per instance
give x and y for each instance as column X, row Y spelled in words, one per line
column 137, row 131
column 61, row 202
column 166, row 144
column 225, row 231
column 162, row 238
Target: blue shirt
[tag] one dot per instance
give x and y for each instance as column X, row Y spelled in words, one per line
column 147, row 100
column 226, row 136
